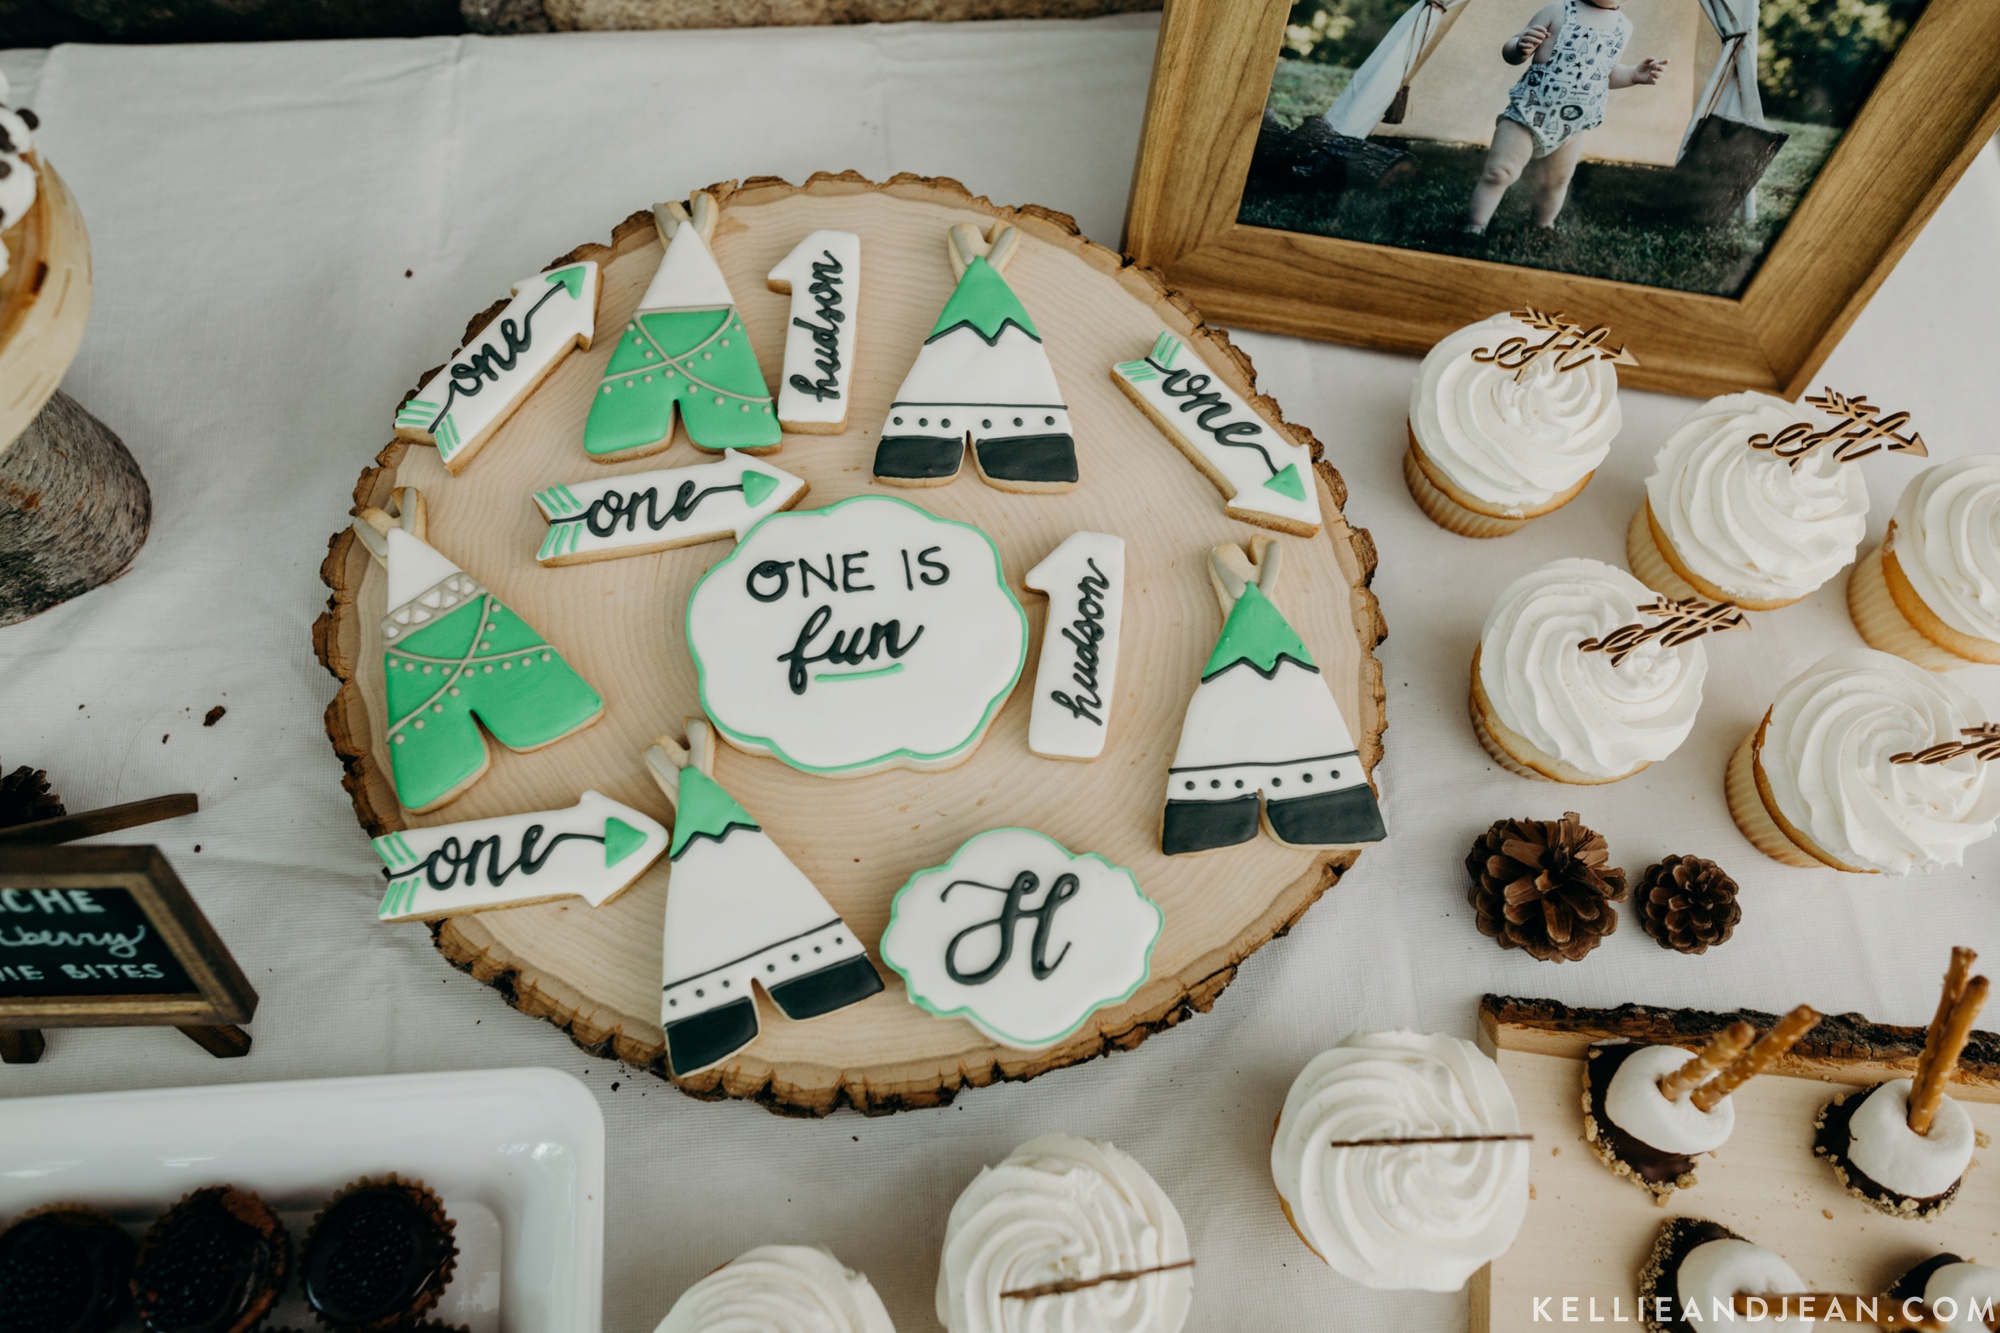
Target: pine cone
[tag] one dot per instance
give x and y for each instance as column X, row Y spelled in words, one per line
column 1687, row 903
column 25, row 797
column 1543, row 885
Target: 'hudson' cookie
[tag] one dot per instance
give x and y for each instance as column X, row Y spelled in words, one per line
column 823, row 276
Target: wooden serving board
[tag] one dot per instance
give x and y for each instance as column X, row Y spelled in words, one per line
column 596, row 972
column 1588, row 1231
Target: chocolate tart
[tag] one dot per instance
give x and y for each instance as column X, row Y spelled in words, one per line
column 215, row 1262
column 1830, row 1140
column 1652, row 1168
column 65, row 1270
column 1660, row 1276
column 378, row 1256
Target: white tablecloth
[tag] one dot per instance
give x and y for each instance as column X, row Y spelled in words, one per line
column 253, row 210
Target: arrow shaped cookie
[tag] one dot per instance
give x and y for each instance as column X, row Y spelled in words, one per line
column 594, row 850
column 652, row 511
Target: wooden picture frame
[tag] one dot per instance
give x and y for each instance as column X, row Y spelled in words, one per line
column 1936, row 106
column 217, row 996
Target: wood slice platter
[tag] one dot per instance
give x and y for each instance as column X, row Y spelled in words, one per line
column 595, row 972
column 1588, row 1231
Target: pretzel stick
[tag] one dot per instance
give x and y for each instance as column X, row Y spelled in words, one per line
column 1432, row 1138
column 1924, row 1097
column 1864, row 1311
column 1069, row 1284
column 1781, row 1038
column 1722, row 1048
column 1955, row 977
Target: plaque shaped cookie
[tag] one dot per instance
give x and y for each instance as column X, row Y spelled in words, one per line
column 1021, row 937
column 864, row 636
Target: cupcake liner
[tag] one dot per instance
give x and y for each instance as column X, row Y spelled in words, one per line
column 1655, row 563
column 1277, row 1122
column 1750, row 807
column 432, row 1291
column 1457, row 512
column 1892, row 617
column 1515, row 753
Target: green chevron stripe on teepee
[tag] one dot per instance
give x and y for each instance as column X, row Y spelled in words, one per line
column 620, row 840
column 570, row 278
column 704, row 810
column 1258, row 633
column 757, row 485
column 1288, row 483
column 984, row 302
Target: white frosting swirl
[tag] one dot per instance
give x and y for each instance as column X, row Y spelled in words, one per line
column 17, row 185
column 780, row 1289
column 1634, row 1103
column 1514, row 446
column 1603, row 719
column 1962, row 1295
column 1715, row 1272
column 1063, row 1207
column 1826, row 756
column 1744, row 519
column 1423, row 1217
column 1882, row 1145
column 1946, row 540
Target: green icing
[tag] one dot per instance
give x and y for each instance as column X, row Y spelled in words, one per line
column 570, row 278
column 757, row 485
column 698, row 361
column 1288, row 483
column 985, row 301
column 1258, row 633
column 704, row 808
column 620, row 840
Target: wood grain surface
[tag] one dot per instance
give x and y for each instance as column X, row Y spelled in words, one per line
column 596, row 973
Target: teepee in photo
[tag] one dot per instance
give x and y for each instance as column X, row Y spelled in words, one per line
column 739, row 915
column 455, row 657
column 982, row 379
column 685, row 348
column 1263, row 743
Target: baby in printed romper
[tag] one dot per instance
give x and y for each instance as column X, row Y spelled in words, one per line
column 1572, row 49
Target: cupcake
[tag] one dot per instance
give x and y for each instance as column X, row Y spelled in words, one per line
column 1057, row 1214
column 378, row 1255
column 1930, row 593
column 1415, row 1217
column 780, row 1287
column 1545, row 706
column 1818, row 782
column 1696, row 1270
column 1953, row 1290
column 215, row 1262
column 65, row 1270
column 1491, row 447
column 1732, row 523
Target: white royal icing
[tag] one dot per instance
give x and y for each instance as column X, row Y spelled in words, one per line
column 482, row 383
column 1084, row 579
column 18, row 185
column 1421, row 1217
column 1964, row 1296
column 1021, row 937
column 1576, row 706
column 1946, row 539
column 1635, row 1105
column 823, row 275
column 1715, row 1272
column 1746, row 520
column 594, row 850
column 1265, row 477
column 1512, row 444
column 1827, row 757
column 1882, row 1145
column 1061, row 1207
column 688, row 277
column 867, row 635
column 780, row 1289
column 642, row 512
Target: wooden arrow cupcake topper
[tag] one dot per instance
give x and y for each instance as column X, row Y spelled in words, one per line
column 1981, row 742
column 1862, row 430
column 1681, row 620
column 1569, row 345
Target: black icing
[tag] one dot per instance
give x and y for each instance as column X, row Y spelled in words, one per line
column 698, row 1042
column 832, row 987
column 825, row 291
column 1028, row 458
column 1007, row 920
column 1327, row 819
column 1200, row 826
column 919, row 457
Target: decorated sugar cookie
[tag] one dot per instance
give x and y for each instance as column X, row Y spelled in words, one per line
column 983, row 378
column 460, row 406
column 685, row 348
column 1021, row 937
column 1085, row 582
column 593, row 851
column 1263, row 740
column 452, row 650
column 867, row 635
column 1264, row 476
column 643, row 512
column 739, row 914
column 823, row 276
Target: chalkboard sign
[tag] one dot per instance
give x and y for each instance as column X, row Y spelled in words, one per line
column 108, row 937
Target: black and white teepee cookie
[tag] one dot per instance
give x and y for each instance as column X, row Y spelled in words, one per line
column 982, row 378
column 1263, row 742
column 739, row 914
